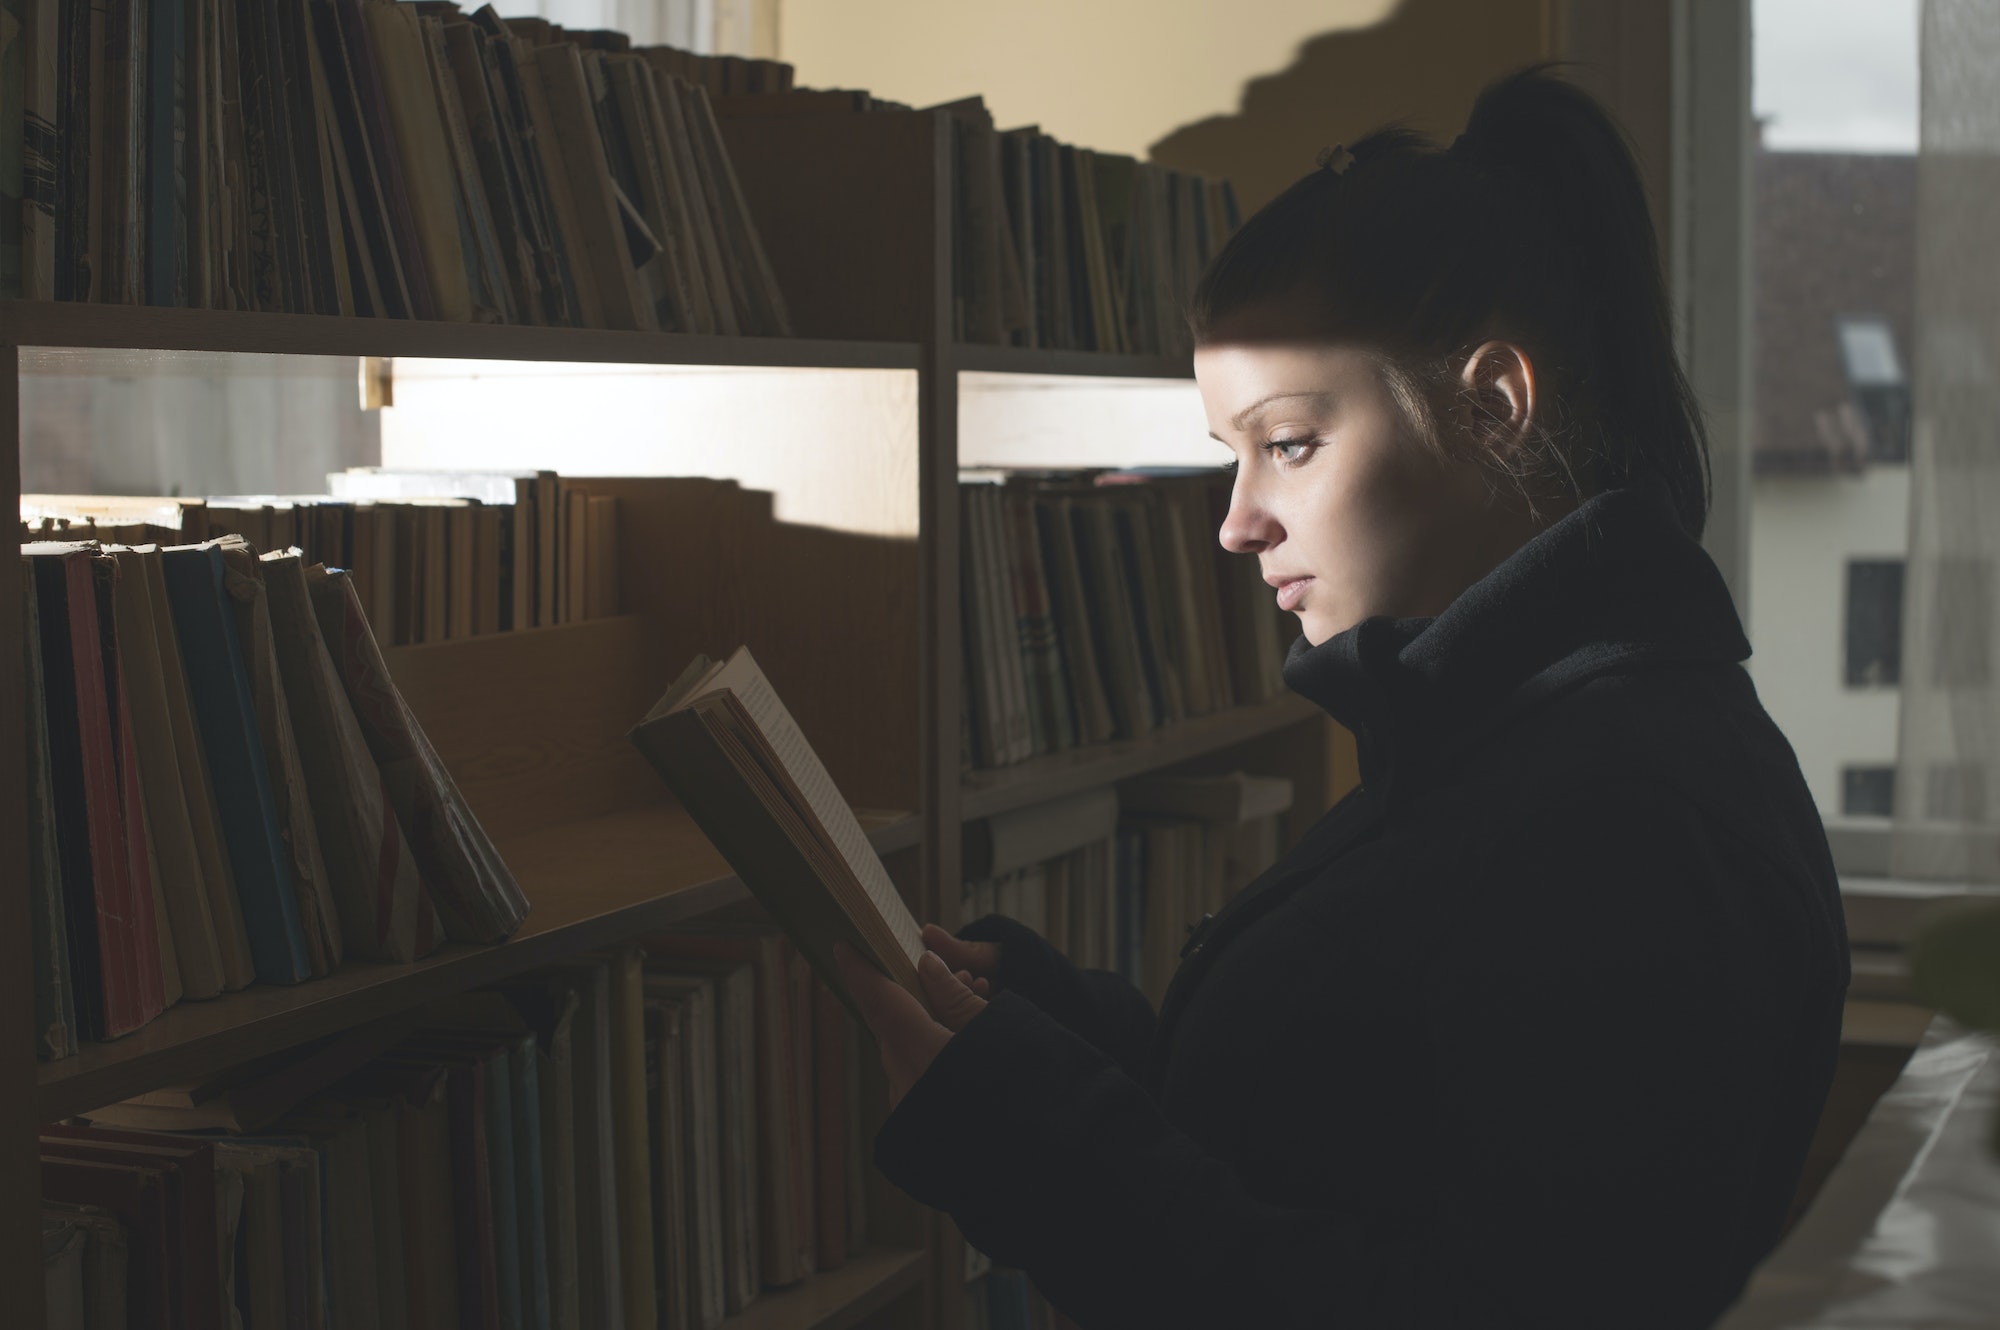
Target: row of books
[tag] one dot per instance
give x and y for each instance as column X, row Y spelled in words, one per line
column 366, row 157
column 1113, row 879
column 1098, row 605
column 224, row 787
column 643, row 1138
column 436, row 555
column 1053, row 245
column 1062, row 247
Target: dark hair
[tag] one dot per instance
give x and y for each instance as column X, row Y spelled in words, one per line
column 1531, row 228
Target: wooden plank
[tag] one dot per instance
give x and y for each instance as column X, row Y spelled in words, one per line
column 593, row 884
column 75, row 324
column 1058, row 774
column 532, row 723
column 20, row 1169
column 968, row 358
column 835, row 1299
column 830, row 615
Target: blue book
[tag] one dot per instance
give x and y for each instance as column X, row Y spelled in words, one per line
column 226, row 714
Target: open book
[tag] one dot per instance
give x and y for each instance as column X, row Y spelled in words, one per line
column 741, row 767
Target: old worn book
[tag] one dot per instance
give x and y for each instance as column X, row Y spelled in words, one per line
column 319, row 918
column 699, row 1140
column 398, row 46
column 675, row 1280
column 593, row 192
column 177, row 867
column 385, row 913
column 600, row 1281
column 723, row 741
column 629, row 1119
column 476, row 895
column 1013, row 840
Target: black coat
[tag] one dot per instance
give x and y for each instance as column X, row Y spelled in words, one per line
column 1531, row 1030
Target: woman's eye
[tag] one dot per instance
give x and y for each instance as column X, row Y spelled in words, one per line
column 1291, row 451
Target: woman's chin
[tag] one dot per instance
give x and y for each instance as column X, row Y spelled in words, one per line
column 1318, row 627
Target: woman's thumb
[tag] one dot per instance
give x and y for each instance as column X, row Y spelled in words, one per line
column 982, row 958
column 951, row 1001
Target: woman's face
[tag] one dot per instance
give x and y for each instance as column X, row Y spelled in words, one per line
column 1349, row 515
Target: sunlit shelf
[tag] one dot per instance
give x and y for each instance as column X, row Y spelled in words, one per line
column 970, row 357
column 1056, row 774
column 143, row 327
column 836, row 1299
column 594, row 883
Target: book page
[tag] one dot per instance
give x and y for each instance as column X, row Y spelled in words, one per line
column 761, row 702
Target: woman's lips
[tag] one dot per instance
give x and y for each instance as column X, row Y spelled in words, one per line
column 1292, row 592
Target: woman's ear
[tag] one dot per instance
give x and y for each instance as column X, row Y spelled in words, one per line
column 1496, row 401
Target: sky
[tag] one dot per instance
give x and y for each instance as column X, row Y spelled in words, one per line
column 1836, row 75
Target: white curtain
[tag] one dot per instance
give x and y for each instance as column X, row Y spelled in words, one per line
column 1948, row 768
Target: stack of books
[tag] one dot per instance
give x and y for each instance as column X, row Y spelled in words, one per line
column 224, row 787
column 366, row 157
column 436, row 555
column 648, row 1137
column 1098, row 605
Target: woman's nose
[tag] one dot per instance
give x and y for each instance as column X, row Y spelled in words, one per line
column 1248, row 527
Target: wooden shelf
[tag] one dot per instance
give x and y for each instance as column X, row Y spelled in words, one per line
column 593, row 884
column 985, row 793
column 966, row 356
column 144, row 327
column 838, row 1298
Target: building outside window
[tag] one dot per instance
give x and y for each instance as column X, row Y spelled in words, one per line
column 1834, row 271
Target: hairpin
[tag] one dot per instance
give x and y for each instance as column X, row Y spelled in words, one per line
column 1336, row 159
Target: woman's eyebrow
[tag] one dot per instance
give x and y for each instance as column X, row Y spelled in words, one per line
column 1243, row 417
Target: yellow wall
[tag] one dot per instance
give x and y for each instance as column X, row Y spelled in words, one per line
column 1249, row 89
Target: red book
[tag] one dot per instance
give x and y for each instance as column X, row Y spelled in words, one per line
column 830, row 1126
column 151, row 982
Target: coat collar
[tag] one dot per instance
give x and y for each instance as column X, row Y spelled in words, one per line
column 1615, row 582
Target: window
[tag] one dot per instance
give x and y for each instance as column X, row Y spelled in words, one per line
column 1867, row 791
column 1876, row 381
column 1874, row 622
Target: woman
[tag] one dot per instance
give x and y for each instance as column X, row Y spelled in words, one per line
column 1534, row 1027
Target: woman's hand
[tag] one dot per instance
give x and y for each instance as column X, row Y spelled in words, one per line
column 908, row 1035
column 976, row 963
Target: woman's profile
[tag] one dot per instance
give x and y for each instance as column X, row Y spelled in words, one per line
column 1533, row 1028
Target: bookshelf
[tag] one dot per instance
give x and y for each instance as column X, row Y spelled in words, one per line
column 855, row 213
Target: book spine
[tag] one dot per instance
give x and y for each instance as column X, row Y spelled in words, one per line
column 55, row 1006
column 213, row 659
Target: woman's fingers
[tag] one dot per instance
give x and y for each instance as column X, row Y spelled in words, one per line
column 959, row 954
